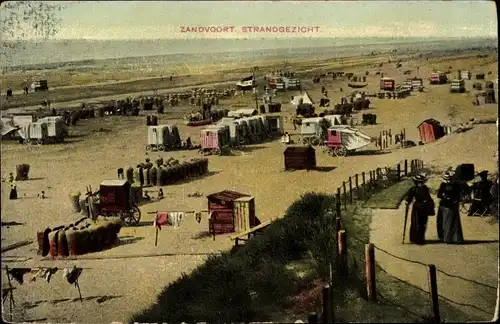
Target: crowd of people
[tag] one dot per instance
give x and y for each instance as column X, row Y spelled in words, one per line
column 484, row 200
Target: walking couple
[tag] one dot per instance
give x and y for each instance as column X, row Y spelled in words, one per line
column 449, row 227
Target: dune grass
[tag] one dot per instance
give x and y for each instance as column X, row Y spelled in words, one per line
column 391, row 197
column 278, row 276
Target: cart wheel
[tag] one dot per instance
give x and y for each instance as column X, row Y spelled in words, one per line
column 39, row 141
column 166, row 148
column 201, row 152
column 340, row 151
column 217, row 151
column 161, row 147
column 28, row 141
column 314, row 140
column 331, row 151
column 305, row 140
column 149, row 147
column 133, row 216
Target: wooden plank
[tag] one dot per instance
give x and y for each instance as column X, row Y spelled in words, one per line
column 16, row 245
column 256, row 228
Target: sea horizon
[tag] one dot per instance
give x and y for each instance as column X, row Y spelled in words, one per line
column 78, row 52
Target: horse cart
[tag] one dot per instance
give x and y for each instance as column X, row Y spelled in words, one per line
column 343, row 139
column 115, row 200
column 215, row 140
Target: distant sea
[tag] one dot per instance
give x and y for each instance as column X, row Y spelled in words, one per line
column 53, row 54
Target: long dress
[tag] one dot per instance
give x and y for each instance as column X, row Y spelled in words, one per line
column 419, row 212
column 13, row 191
column 449, row 227
column 482, row 191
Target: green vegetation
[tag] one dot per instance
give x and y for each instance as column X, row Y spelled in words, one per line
column 391, row 197
column 278, row 276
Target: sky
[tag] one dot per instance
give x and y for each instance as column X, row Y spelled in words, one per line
column 168, row 19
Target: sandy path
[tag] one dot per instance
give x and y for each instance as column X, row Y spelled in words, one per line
column 474, row 263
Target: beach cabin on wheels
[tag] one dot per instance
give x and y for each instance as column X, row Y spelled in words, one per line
column 231, row 211
column 387, row 84
column 457, row 86
column 430, row 130
column 438, row 78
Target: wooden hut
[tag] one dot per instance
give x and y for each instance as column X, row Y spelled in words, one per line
column 300, row 158
column 387, row 84
column 430, row 130
column 231, row 211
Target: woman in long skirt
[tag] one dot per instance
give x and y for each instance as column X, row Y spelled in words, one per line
column 449, row 227
column 423, row 207
column 13, row 191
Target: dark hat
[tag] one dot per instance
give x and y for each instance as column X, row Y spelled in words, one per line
column 483, row 173
column 420, row 178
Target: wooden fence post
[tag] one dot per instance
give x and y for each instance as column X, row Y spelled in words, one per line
column 350, row 190
column 371, row 289
column 327, row 305
column 356, row 180
column 412, row 167
column 399, row 172
column 312, row 318
column 404, row 135
column 406, row 167
column 371, row 180
column 338, row 204
column 342, row 252
column 390, row 137
column 363, row 178
column 345, row 195
column 433, row 290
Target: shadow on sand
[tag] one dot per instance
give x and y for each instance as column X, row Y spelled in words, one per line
column 325, row 168
column 201, row 235
column 369, row 152
column 98, row 299
column 466, row 242
column 125, row 240
column 11, row 224
column 144, row 223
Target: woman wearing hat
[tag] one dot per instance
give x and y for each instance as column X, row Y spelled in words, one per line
column 449, row 227
column 423, row 207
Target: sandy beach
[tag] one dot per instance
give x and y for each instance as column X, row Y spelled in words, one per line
column 125, row 279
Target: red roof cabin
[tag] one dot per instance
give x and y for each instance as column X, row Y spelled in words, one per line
column 231, row 211
column 430, row 130
column 387, row 84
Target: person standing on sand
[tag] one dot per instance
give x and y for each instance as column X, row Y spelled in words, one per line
column 423, row 207
column 13, row 188
column 449, row 227
column 482, row 196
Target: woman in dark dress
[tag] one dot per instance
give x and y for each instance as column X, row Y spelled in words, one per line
column 423, row 207
column 449, row 227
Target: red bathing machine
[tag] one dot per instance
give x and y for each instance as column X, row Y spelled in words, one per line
column 387, row 84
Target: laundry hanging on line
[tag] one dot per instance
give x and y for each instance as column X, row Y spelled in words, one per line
column 44, row 273
column 168, row 218
column 70, row 274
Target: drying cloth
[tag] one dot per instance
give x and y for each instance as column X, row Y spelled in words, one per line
column 49, row 273
column 72, row 274
column 175, row 218
column 161, row 219
column 18, row 273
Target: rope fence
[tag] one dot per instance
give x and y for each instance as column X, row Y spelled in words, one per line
column 362, row 187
